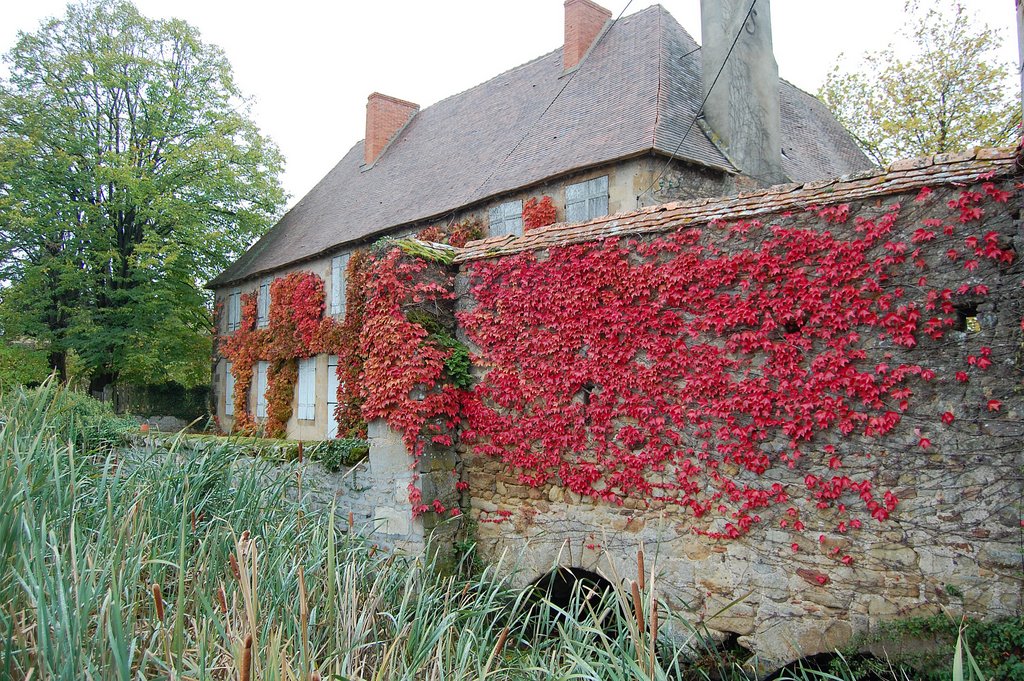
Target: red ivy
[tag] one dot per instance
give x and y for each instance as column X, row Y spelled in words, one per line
column 538, row 213
column 681, row 369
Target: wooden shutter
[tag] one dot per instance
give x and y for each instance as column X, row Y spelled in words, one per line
column 261, row 389
column 229, row 390
column 339, row 267
column 332, row 396
column 307, row 389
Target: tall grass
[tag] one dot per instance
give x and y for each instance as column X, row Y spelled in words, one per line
column 121, row 564
column 118, row 563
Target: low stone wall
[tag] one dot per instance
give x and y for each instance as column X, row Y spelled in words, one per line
column 956, row 547
column 799, row 581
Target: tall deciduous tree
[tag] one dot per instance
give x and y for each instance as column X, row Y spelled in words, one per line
column 952, row 93
column 130, row 173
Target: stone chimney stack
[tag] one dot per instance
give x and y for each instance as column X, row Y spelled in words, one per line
column 743, row 107
column 584, row 21
column 385, row 116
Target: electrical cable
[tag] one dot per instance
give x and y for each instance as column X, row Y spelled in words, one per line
column 700, row 109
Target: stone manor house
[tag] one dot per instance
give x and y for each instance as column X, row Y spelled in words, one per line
column 609, row 122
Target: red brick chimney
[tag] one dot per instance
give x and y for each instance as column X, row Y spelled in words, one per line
column 583, row 23
column 385, row 116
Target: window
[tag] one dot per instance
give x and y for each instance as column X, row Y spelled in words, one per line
column 263, row 304
column 234, row 309
column 307, row 389
column 339, row 266
column 586, row 200
column 332, row 396
column 229, row 390
column 261, row 389
column 506, row 219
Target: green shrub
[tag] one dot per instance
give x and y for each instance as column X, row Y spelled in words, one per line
column 343, row 452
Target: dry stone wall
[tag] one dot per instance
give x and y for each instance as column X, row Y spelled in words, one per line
column 952, row 543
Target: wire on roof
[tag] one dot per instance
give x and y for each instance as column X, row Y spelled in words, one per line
column 530, row 128
column 700, row 109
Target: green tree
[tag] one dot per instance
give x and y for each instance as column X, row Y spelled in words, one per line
column 952, row 93
column 130, row 173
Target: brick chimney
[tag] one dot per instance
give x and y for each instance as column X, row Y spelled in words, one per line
column 385, row 116
column 583, row 23
column 743, row 108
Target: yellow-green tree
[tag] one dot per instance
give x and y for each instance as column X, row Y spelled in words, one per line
column 950, row 94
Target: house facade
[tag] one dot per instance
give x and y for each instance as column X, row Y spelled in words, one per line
column 609, row 123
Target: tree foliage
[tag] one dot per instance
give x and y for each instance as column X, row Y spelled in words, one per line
column 952, row 93
column 130, row 173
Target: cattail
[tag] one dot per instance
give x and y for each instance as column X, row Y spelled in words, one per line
column 222, row 597
column 246, row 670
column 244, row 539
column 465, row 590
column 641, row 572
column 315, row 676
column 638, row 606
column 351, row 520
column 300, row 451
column 654, row 633
column 234, row 566
column 158, row 601
column 502, row 637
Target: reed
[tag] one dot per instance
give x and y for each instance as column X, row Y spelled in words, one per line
column 125, row 564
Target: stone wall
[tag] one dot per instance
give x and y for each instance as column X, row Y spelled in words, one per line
column 952, row 545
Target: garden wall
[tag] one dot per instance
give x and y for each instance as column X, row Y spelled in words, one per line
column 804, row 403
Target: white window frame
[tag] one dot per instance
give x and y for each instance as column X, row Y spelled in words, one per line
column 263, row 303
column 307, row 389
column 229, row 390
column 332, row 396
column 586, row 200
column 234, row 309
column 505, row 219
column 339, row 268
column 262, row 367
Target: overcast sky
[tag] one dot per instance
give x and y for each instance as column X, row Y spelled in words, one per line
column 309, row 65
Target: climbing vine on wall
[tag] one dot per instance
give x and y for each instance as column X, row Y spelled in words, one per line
column 404, row 379
column 730, row 369
column 293, row 331
column 455, row 234
column 538, row 213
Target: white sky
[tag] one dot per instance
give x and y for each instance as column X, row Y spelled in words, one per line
column 308, row 65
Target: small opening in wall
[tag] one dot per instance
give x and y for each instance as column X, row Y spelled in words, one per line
column 967, row 318
column 587, row 391
column 566, row 593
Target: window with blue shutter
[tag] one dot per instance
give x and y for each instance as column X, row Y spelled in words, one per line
column 505, row 219
column 234, row 309
column 229, row 390
column 307, row 389
column 263, row 304
column 261, row 389
column 339, row 266
column 586, row 200
column 332, row 396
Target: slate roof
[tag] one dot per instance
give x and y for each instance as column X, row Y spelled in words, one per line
column 636, row 92
column 899, row 178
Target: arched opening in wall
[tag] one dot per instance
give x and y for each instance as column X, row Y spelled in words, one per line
column 569, row 596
